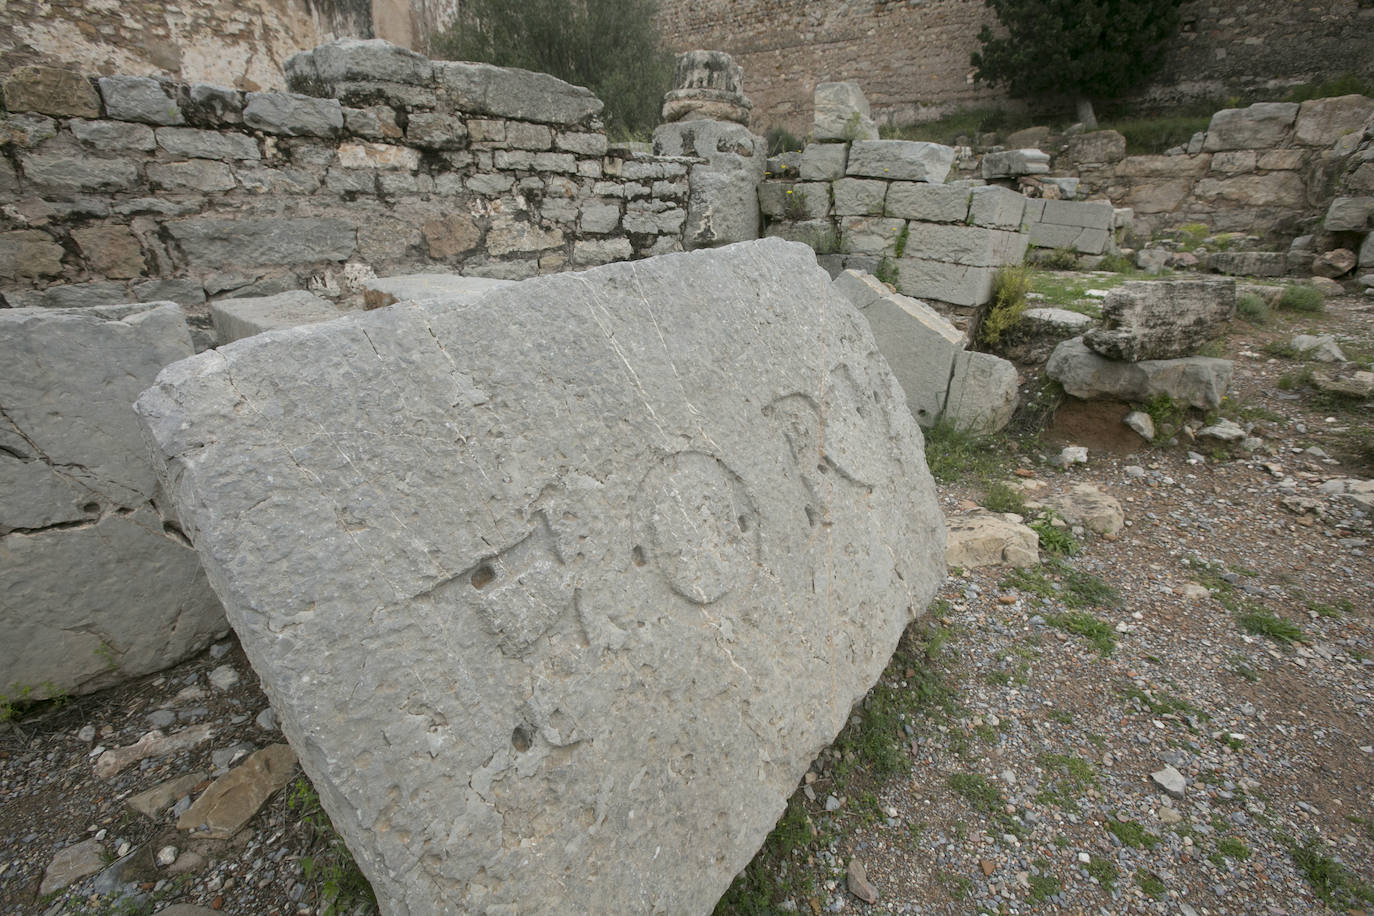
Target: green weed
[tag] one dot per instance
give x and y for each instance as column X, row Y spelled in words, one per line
column 1252, row 308
column 329, row 869
column 1005, row 498
column 1260, row 622
column 1233, row 848
column 1151, row 885
column 1302, row 298
column 1104, row 871
column 1329, row 879
column 1066, row 776
column 956, row 455
column 1009, row 289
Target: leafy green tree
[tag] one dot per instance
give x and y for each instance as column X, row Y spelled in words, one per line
column 609, row 46
column 1076, row 49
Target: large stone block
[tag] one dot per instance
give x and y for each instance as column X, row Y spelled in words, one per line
column 824, row 161
column 916, row 341
column 859, row 197
column 871, row 235
column 207, row 144
column 139, row 98
column 1261, row 126
column 982, row 392
column 29, row 253
column 1200, row 381
column 1162, row 319
column 537, row 568
column 108, row 135
column 1276, row 189
column 235, row 319
column 900, row 160
column 970, row 245
column 383, row 291
column 1097, row 147
column 842, row 113
column 1349, row 214
column 929, row 203
column 722, row 202
column 213, row 242
column 1014, row 163
column 64, row 171
column 51, row 91
column 996, row 207
column 111, row 250
column 326, row 69
column 1321, row 122
column 99, row 586
column 509, row 93
column 293, row 115
column 957, row 284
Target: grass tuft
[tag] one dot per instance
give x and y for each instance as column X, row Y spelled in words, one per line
column 1260, row 622
column 1302, row 298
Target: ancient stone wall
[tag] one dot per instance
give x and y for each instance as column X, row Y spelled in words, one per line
column 133, row 189
column 241, row 45
column 912, row 57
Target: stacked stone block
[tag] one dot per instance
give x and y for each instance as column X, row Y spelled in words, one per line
column 135, row 189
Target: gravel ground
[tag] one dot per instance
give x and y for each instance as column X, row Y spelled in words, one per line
column 1025, row 784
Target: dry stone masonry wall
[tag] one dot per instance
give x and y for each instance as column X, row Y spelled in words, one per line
column 130, row 188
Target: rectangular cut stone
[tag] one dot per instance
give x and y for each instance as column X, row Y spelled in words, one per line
column 928, row 203
column 113, row 134
column 872, row 235
column 970, row 245
column 378, row 156
column 236, row 319
column 957, row 284
column 1261, row 126
column 448, row 536
column 1162, row 319
column 1086, row 241
column 207, row 144
column 210, row 242
column 139, row 98
column 1088, row 214
column 859, row 197
column 293, row 115
column 900, row 160
column 65, row 171
column 824, row 161
column 997, row 207
column 582, row 144
column 519, row 94
column 820, row 235
column 982, row 392
column 191, row 175
column 96, row 589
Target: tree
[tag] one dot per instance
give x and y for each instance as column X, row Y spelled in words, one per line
column 609, row 46
column 1077, row 49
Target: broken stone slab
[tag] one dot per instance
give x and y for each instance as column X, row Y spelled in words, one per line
column 916, row 341
column 1321, row 122
column 1349, row 381
column 589, row 500
column 379, row 292
column 1200, row 381
column 1141, row 423
column 707, row 85
column 983, row 538
column 900, row 160
column 154, row 744
column 162, row 796
column 982, row 392
column 842, row 113
column 1223, row 431
column 1087, row 505
column 1335, row 263
column 1261, row 126
column 1162, row 319
column 1323, row 348
column 139, row 98
column 507, row 92
column 1170, row 780
column 233, row 799
column 72, row 864
column 77, row 505
column 1014, row 163
column 235, row 319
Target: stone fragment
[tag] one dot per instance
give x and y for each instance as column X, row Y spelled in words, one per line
column 212, row 241
column 1323, row 348
column 293, row 115
column 107, row 135
column 916, row 341
column 1335, row 263
column 1197, row 380
column 1097, row 147
column 1348, row 381
column 207, row 144
column 982, row 392
column 1162, row 319
column 433, row 130
column 29, row 254
column 1261, row 126
column 162, row 796
column 900, row 160
column 235, row 319
column 856, row 879
column 182, row 292
column 824, row 161
column 1087, row 505
column 1170, row 780
column 110, row 250
column 1142, row 423
column 232, row 800
column 983, row 538
column 1223, row 431
column 842, row 113
column 51, row 91
column 513, row 572
column 206, row 105
column 928, row 203
column 1152, row 260
column 329, row 69
column 76, row 507
column 72, row 864
column 1249, row 263
column 707, row 85
column 509, row 93
column 1014, row 163
column 1069, row 456
column 153, row 744
column 139, row 98
column 1321, row 122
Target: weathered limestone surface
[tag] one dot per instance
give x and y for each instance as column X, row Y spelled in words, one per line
column 1162, row 319
column 723, row 204
column 383, row 291
column 900, row 160
column 842, row 113
column 533, row 565
column 236, row 319
column 982, row 392
column 98, row 585
column 1197, row 380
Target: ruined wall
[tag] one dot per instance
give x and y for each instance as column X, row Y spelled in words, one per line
column 912, row 56
column 241, row 45
column 132, row 189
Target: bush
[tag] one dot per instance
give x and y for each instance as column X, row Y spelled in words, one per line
column 781, row 140
column 1058, row 259
column 1345, row 84
column 1302, row 298
column 1252, row 308
column 609, row 46
column 1009, row 289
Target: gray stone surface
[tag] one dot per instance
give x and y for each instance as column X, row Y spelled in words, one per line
column 970, row 245
column 1040, row 330
column 70, row 295
column 1249, row 263
column 859, row 197
column 917, row 343
column 546, row 570
column 207, row 144
column 212, row 242
column 900, row 160
column 139, row 98
column 824, row 161
column 1162, row 319
column 1197, row 380
column 98, row 586
column 107, row 135
column 1350, row 214
column 929, row 203
column 1261, row 126
column 842, row 113
column 293, row 115
column 982, row 392
column 235, row 319
column 957, row 284
column 870, row 235
column 722, row 204
column 65, row 171
column 383, row 291
column 512, row 93
column 983, row 538
column 326, row 69
column 1014, row 163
